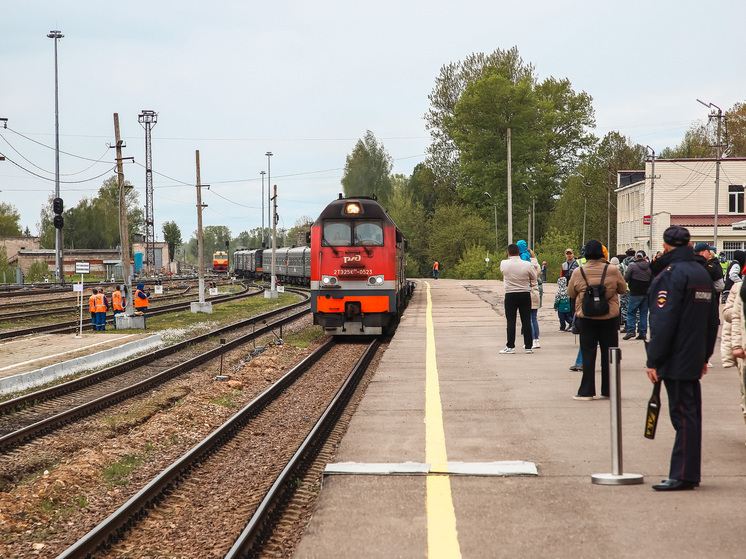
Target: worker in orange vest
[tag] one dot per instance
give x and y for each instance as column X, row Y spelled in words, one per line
column 436, row 267
column 92, row 308
column 101, row 306
column 117, row 304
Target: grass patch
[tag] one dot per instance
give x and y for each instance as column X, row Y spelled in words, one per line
column 142, row 411
column 304, row 337
column 117, row 473
column 225, row 401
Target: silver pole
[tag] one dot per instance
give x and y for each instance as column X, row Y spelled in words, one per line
column 616, row 477
column 57, row 35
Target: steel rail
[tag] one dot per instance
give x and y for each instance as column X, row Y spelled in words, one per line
column 51, row 423
column 119, row 521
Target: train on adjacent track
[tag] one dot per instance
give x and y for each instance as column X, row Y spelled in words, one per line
column 220, row 262
column 356, row 267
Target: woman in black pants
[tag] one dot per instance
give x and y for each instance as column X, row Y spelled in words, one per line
column 596, row 331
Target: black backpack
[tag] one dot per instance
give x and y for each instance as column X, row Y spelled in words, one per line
column 595, row 302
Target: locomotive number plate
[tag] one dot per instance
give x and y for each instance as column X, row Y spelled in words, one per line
column 353, row 272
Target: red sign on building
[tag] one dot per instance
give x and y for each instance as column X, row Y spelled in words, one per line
column 646, row 220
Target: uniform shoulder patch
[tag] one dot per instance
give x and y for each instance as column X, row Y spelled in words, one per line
column 661, row 298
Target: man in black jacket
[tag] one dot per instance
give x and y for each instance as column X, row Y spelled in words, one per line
column 684, row 324
column 638, row 277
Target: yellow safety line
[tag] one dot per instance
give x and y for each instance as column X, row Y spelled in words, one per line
column 442, row 537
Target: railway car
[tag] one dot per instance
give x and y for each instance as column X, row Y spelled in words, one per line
column 358, row 268
column 220, row 262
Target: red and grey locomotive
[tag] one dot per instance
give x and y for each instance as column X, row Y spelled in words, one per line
column 358, row 268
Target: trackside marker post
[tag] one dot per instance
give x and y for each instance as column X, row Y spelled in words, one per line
column 616, row 477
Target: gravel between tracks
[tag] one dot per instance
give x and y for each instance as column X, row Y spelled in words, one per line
column 49, row 512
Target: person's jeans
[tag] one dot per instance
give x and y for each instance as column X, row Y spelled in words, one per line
column 535, row 323
column 638, row 302
column 519, row 303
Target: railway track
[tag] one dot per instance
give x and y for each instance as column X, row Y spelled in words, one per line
column 37, row 413
column 73, row 325
column 223, row 497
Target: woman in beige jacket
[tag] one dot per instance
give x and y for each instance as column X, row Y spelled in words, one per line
column 732, row 339
column 596, row 330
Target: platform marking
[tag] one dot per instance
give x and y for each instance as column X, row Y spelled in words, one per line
column 442, row 536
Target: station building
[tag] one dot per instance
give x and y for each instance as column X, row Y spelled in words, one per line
column 683, row 193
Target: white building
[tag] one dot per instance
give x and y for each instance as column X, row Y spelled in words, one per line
column 683, row 193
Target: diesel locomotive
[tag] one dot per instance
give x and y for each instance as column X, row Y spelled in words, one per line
column 358, row 268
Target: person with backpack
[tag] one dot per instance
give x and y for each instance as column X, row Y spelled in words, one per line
column 596, row 287
column 733, row 274
column 638, row 276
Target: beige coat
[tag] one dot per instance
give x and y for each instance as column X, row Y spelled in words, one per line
column 732, row 334
column 535, row 299
column 614, row 282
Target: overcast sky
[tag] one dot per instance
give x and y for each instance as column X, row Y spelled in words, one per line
column 306, row 79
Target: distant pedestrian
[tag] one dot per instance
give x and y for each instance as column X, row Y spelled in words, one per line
column 624, row 299
column 569, row 265
column 733, row 274
column 638, row 277
column 117, row 304
column 562, row 305
column 436, row 267
column 684, row 326
column 602, row 330
column 544, row 271
column 518, row 276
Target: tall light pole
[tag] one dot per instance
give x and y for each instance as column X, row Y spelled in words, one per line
column 585, row 204
column 495, row 206
column 269, row 194
column 717, row 165
column 262, row 173
column 149, row 119
column 57, row 35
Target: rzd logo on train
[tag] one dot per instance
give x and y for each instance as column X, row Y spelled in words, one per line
column 357, row 258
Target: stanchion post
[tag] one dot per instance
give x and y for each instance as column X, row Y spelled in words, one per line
column 617, row 475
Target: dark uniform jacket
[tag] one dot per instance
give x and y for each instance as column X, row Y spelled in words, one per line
column 683, row 316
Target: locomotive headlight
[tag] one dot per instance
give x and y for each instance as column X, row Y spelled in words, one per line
column 352, row 208
column 375, row 280
column 328, row 280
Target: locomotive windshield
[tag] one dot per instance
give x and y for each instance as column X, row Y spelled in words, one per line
column 359, row 232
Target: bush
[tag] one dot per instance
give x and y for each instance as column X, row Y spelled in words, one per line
column 37, row 271
column 472, row 265
column 552, row 249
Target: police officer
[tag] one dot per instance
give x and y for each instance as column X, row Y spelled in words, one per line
column 684, row 324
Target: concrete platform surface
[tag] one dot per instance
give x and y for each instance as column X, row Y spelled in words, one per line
column 502, row 408
column 34, row 360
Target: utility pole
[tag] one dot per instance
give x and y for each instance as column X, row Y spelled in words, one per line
column 201, row 305
column 719, row 116
column 272, row 293
column 510, row 195
column 148, row 119
column 269, row 155
column 585, row 205
column 262, row 233
column 126, row 320
column 652, row 190
column 56, row 36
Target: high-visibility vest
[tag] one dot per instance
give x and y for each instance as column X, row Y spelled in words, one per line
column 92, row 303
column 141, row 302
column 100, row 302
column 116, row 301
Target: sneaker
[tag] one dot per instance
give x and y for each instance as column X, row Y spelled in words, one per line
column 508, row 350
column 629, row 335
column 576, row 368
column 536, row 344
column 641, row 337
column 584, row 398
column 529, row 350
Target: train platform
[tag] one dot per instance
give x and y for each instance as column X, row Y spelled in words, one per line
column 459, row 451
column 31, row 361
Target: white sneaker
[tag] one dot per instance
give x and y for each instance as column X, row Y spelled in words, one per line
column 536, row 344
column 529, row 351
column 508, row 350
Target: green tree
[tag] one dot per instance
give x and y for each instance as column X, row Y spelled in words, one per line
column 453, row 230
column 367, row 170
column 548, row 123
column 552, row 250
column 473, row 264
column 10, row 220
column 94, row 222
column 6, row 270
column 409, row 215
column 443, row 153
column 172, row 236
column 698, row 142
column 38, row 271
column 736, row 130
column 297, row 234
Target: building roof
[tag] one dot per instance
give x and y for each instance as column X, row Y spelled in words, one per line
column 704, row 220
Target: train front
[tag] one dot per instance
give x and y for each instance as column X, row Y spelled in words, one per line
column 354, row 251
